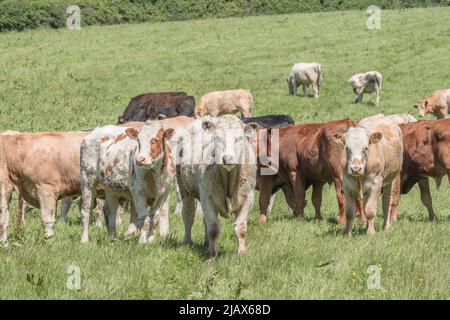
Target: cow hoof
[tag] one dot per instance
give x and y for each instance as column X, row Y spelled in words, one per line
column 187, row 242
column 241, row 250
column 151, row 238
column 4, row 244
column 84, row 240
column 210, row 259
column 49, row 235
column 98, row 224
column 262, row 218
column 433, row 218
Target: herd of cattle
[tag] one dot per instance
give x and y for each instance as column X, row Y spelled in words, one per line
column 164, row 141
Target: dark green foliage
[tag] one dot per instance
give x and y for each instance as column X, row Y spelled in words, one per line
column 29, row 14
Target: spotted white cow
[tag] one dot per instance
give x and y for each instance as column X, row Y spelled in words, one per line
column 126, row 163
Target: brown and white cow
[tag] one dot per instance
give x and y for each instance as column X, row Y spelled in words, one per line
column 42, row 168
column 437, row 104
column 130, row 164
column 308, row 156
column 372, row 158
column 216, row 165
column 426, row 154
column 225, row 102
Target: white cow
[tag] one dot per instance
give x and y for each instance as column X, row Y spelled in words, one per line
column 305, row 74
column 217, row 166
column 128, row 164
column 366, row 83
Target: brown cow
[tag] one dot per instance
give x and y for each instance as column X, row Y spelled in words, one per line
column 307, row 156
column 426, row 153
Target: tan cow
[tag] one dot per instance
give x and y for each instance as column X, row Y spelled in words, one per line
column 225, row 102
column 437, row 104
column 372, row 158
column 42, row 168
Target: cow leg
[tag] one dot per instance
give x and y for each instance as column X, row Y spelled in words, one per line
column 21, row 208
column 371, row 206
column 385, row 204
column 316, row 90
column 143, row 218
column 425, row 197
column 271, row 202
column 350, row 213
column 265, row 192
column 66, row 203
column 188, row 213
column 304, row 90
column 87, row 202
column 377, row 91
column 163, row 214
column 340, row 199
column 395, row 197
column 5, row 196
column 111, row 205
column 317, row 199
column 240, row 225
column 98, row 210
column 212, row 226
column 179, row 206
column 299, row 191
column 131, row 231
column 47, row 203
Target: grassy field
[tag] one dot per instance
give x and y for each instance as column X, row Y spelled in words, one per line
column 70, row 80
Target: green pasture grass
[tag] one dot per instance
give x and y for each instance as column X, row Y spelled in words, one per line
column 70, row 80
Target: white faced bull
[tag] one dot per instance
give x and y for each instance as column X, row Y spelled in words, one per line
column 356, row 143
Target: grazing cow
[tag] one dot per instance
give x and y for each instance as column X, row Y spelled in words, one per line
column 130, row 164
column 159, row 106
column 225, row 102
column 215, row 167
column 307, row 156
column 437, row 104
column 305, row 74
column 372, row 158
column 366, row 83
column 42, row 168
column 426, row 154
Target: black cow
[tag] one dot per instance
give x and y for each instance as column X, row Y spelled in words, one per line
column 138, row 108
column 270, row 121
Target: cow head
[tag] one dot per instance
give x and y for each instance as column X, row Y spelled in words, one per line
column 230, row 141
column 422, row 106
column 152, row 149
column 291, row 85
column 356, row 142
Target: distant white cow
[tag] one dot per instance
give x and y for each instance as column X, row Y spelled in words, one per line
column 305, row 74
column 366, row 83
column 216, row 168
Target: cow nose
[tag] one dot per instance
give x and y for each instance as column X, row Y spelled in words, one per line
column 356, row 169
column 140, row 160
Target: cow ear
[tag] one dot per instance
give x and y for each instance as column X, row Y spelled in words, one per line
column 339, row 137
column 416, row 106
column 208, row 125
column 168, row 134
column 132, row 133
column 375, row 137
column 161, row 117
column 426, row 103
